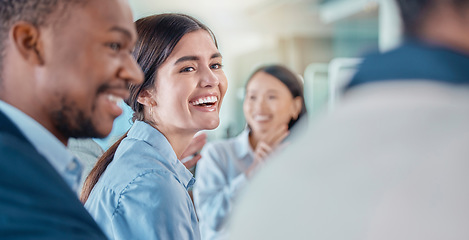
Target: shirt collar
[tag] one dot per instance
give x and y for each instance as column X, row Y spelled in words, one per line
column 46, row 144
column 416, row 60
column 242, row 144
column 143, row 131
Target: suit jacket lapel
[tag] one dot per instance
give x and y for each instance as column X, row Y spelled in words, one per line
column 7, row 126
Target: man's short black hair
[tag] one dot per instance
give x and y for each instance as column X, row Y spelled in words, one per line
column 36, row 12
column 413, row 12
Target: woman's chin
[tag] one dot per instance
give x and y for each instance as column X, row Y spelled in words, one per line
column 211, row 124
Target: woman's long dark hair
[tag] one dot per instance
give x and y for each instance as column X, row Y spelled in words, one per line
column 157, row 37
column 289, row 79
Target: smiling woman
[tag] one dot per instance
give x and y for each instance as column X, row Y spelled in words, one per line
column 138, row 188
column 273, row 104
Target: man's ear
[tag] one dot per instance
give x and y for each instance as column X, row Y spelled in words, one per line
column 146, row 98
column 26, row 39
column 296, row 109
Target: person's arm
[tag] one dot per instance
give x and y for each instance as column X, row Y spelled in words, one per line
column 191, row 155
column 154, row 206
column 213, row 193
column 265, row 147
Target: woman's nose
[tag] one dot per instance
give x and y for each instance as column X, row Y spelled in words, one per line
column 209, row 78
column 261, row 103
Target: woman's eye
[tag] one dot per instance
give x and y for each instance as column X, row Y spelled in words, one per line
column 115, row 46
column 187, row 69
column 272, row 97
column 216, row 66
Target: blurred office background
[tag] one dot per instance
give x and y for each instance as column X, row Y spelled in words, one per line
column 321, row 40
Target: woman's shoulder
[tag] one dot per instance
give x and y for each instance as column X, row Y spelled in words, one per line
column 232, row 145
column 150, row 181
column 132, row 164
column 155, row 180
column 151, row 187
column 219, row 148
column 228, row 143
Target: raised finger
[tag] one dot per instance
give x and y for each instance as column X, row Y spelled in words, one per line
column 192, row 162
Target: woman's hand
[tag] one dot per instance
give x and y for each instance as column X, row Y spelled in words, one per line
column 266, row 146
column 196, row 144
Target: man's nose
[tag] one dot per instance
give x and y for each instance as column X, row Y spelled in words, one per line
column 131, row 72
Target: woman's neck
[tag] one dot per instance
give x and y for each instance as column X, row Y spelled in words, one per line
column 254, row 139
column 178, row 140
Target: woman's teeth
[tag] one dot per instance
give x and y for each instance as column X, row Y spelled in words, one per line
column 261, row 118
column 205, row 100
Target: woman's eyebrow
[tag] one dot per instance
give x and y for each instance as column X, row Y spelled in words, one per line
column 195, row 58
column 186, row 58
column 217, row 55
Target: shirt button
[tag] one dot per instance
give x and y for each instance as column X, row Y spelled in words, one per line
column 72, row 166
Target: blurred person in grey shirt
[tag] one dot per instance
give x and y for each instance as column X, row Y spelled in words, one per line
column 391, row 161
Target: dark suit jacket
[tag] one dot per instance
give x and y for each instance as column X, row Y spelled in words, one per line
column 35, row 201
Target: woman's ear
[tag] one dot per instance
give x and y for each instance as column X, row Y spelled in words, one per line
column 297, row 105
column 146, row 98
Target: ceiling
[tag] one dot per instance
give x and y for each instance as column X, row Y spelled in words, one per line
column 243, row 26
column 280, row 17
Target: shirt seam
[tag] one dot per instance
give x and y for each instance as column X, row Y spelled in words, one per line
column 130, row 183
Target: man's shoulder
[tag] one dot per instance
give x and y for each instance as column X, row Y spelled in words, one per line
column 35, row 199
column 21, row 161
column 18, row 152
column 9, row 128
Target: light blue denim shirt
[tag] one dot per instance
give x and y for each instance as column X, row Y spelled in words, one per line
column 220, row 176
column 143, row 192
column 46, row 144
